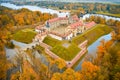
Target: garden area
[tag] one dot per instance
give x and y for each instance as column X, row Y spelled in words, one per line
column 25, row 35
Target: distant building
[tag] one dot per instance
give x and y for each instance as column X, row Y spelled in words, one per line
column 55, row 22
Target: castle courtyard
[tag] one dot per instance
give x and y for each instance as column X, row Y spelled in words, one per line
column 60, row 29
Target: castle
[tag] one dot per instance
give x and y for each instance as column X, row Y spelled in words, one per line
column 71, row 27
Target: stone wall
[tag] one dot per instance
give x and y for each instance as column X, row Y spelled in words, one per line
column 77, row 57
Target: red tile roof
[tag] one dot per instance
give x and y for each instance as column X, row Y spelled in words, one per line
column 68, row 33
column 90, row 24
column 53, row 20
column 57, row 19
column 63, row 18
column 75, row 25
column 39, row 27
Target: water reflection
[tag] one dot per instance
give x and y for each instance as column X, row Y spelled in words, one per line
column 92, row 49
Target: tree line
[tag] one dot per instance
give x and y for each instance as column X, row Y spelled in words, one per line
column 8, row 20
column 88, row 7
column 9, row 17
column 102, row 20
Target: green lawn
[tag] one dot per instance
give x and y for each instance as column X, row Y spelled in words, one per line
column 92, row 34
column 58, row 48
column 25, row 35
column 51, row 41
column 66, row 53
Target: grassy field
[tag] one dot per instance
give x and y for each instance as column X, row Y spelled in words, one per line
column 66, row 53
column 58, row 48
column 92, row 34
column 25, row 35
column 51, row 41
column 109, row 14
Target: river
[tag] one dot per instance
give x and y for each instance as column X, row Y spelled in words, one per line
column 36, row 8
column 51, row 11
column 92, row 49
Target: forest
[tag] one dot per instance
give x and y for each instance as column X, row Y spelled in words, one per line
column 9, row 17
column 88, row 7
column 9, row 21
column 106, row 65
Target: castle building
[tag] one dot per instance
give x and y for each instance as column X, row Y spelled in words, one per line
column 73, row 27
column 53, row 23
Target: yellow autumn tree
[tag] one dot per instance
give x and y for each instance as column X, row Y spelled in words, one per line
column 89, row 70
column 56, row 76
column 68, row 74
column 4, row 38
column 27, row 73
column 60, row 63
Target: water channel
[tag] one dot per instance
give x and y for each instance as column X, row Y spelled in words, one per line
column 92, row 49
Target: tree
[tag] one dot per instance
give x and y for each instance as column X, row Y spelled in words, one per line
column 4, row 20
column 111, row 22
column 27, row 73
column 89, row 71
column 117, row 24
column 113, row 35
column 56, row 76
column 60, row 63
column 68, row 74
column 4, row 37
